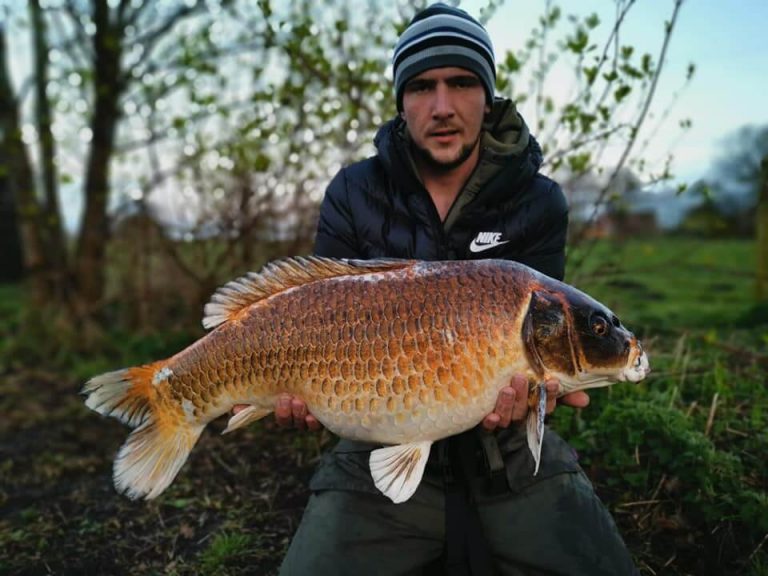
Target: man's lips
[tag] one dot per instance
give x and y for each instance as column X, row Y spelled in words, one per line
column 443, row 135
column 444, row 131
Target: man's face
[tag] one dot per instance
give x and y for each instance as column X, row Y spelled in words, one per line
column 443, row 109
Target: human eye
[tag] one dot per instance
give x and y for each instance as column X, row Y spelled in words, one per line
column 465, row 82
column 416, row 86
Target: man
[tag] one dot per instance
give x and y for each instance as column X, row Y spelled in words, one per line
column 455, row 177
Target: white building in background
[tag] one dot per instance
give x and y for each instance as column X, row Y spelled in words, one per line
column 660, row 209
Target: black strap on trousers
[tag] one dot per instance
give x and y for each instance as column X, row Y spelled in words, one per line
column 466, row 552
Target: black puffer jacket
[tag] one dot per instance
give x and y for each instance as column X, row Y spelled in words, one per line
column 379, row 207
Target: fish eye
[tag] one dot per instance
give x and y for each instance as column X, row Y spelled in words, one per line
column 599, row 325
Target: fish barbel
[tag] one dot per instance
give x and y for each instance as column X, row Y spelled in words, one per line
column 401, row 353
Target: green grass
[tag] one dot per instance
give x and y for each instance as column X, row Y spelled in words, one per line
column 225, row 549
column 10, row 300
column 672, row 284
column 691, row 440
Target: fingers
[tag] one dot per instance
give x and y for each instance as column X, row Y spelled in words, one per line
column 502, row 412
column 313, row 424
column 520, row 386
column 299, row 413
column 511, row 405
column 292, row 412
column 578, row 399
column 512, row 402
column 283, row 411
column 490, row 422
column 505, row 403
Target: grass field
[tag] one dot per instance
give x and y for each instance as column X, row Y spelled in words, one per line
column 673, row 285
column 681, row 459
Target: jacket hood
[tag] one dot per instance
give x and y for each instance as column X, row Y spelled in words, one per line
column 505, row 133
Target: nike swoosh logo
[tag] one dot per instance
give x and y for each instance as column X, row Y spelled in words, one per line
column 476, row 246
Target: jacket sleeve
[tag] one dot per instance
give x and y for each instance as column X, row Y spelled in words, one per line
column 547, row 233
column 336, row 236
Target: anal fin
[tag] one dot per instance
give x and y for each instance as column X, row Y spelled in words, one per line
column 535, row 424
column 245, row 417
column 397, row 470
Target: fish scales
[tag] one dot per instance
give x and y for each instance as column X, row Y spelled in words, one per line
column 366, row 354
column 396, row 353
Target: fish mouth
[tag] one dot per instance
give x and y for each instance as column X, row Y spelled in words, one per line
column 638, row 369
column 585, row 381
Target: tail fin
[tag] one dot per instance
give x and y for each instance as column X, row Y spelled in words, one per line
column 157, row 449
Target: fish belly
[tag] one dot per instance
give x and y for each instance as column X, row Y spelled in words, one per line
column 388, row 421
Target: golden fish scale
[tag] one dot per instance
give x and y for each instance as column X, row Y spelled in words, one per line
column 378, row 357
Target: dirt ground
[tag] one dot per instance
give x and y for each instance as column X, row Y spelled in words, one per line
column 232, row 509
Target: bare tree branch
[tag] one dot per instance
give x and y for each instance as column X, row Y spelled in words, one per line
column 77, row 44
column 633, row 134
column 81, row 35
column 121, row 11
column 150, row 39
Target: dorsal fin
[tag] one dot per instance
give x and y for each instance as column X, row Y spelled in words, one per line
column 280, row 275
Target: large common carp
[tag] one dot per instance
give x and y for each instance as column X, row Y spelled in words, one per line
column 395, row 352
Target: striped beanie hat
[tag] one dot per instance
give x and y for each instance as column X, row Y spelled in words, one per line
column 440, row 36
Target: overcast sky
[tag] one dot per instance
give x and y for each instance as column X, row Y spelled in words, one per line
column 725, row 39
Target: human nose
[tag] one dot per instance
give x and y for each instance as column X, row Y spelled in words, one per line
column 443, row 105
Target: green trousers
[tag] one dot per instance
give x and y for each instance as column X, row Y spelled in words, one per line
column 552, row 523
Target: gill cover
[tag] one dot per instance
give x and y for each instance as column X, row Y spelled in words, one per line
column 548, row 335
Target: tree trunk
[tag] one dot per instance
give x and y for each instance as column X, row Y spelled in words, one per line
column 761, row 234
column 15, row 163
column 11, row 264
column 91, row 248
column 53, row 234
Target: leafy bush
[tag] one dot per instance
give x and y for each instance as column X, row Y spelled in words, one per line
column 42, row 339
column 640, row 442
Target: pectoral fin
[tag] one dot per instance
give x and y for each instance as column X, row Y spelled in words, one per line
column 535, row 424
column 245, row 417
column 397, row 470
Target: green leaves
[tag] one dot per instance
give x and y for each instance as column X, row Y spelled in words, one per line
column 579, row 163
column 621, row 92
column 590, row 72
column 553, row 17
column 631, row 71
column 646, row 64
column 578, row 42
column 511, row 63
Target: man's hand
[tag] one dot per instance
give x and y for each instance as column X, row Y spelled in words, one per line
column 290, row 412
column 512, row 402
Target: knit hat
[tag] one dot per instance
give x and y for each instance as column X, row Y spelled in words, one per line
column 441, row 36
